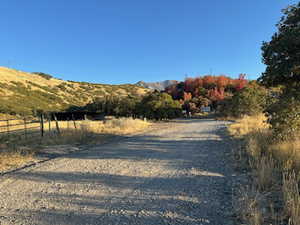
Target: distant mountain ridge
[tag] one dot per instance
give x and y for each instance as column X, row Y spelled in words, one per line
column 160, row 85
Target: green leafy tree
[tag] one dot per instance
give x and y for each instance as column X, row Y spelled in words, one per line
column 127, row 107
column 159, row 106
column 282, row 57
column 282, row 53
column 284, row 115
column 249, row 101
column 194, row 105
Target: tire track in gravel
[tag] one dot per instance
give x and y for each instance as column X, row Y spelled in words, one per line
column 180, row 174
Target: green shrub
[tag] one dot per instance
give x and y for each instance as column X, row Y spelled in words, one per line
column 44, row 75
column 159, row 106
column 62, row 86
column 250, row 101
column 284, row 115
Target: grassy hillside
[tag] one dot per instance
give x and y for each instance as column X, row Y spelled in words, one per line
column 25, row 93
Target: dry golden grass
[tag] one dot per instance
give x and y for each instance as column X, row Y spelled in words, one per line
column 7, row 75
column 17, row 124
column 14, row 159
column 13, row 153
column 248, row 206
column 7, row 116
column 87, row 90
column 114, row 126
column 291, row 198
column 258, row 143
column 265, row 173
column 124, row 126
column 248, row 124
column 274, row 165
column 288, row 154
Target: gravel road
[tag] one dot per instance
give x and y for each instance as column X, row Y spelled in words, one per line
column 178, row 173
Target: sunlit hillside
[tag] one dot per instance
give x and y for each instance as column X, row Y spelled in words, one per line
column 24, row 93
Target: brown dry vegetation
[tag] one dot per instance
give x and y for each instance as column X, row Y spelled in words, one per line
column 274, row 172
column 16, row 152
column 247, row 125
column 113, row 126
column 51, row 94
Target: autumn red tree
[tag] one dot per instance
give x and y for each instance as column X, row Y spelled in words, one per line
column 205, row 90
column 209, row 82
column 173, row 91
column 216, row 94
column 222, row 81
column 189, row 85
column 187, row 96
column 241, row 82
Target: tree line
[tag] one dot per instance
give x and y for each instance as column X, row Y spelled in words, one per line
column 155, row 105
column 194, row 93
column 189, row 96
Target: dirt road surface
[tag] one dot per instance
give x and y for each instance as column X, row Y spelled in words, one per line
column 178, row 174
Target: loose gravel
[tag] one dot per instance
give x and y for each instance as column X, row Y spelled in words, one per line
column 178, row 174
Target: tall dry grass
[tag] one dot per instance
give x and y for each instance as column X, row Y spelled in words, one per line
column 273, row 165
column 113, row 126
column 248, row 207
column 248, row 124
column 119, row 126
column 15, row 150
column 290, row 190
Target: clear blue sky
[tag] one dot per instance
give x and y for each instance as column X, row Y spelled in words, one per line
column 124, row 41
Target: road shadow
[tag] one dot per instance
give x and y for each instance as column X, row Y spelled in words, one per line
column 199, row 158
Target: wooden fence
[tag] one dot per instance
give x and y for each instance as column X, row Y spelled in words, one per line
column 39, row 127
column 20, row 127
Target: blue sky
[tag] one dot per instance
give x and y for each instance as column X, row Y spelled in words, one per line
column 120, row 41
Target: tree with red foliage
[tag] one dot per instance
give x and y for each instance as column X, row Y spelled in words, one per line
column 241, row 82
column 222, row 81
column 198, row 86
column 198, row 82
column 172, row 90
column 209, row 82
column 189, row 85
column 213, row 88
column 216, row 94
column 187, row 96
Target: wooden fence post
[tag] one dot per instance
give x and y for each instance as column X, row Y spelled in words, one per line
column 25, row 128
column 7, row 127
column 49, row 121
column 57, row 126
column 74, row 122
column 42, row 125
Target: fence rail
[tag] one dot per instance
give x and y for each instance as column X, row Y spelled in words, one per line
column 25, row 128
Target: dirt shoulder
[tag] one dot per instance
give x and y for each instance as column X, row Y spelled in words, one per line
column 37, row 150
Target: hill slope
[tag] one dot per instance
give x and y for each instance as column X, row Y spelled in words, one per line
column 25, row 93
